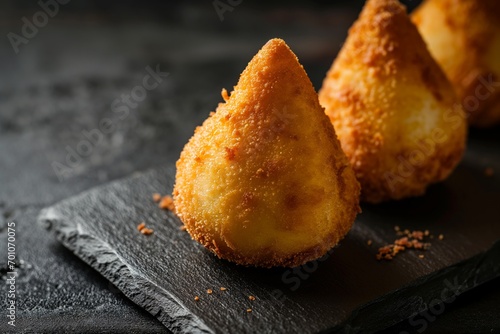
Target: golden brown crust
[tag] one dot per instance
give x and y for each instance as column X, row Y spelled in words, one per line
column 464, row 38
column 264, row 181
column 392, row 106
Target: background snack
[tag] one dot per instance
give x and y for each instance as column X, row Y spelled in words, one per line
column 393, row 108
column 464, row 38
column 264, row 181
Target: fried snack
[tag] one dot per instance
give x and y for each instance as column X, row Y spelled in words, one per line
column 264, row 181
column 464, row 38
column 393, row 109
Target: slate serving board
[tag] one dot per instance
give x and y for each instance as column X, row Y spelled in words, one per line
column 346, row 291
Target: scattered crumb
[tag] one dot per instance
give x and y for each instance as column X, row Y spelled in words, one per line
column 156, row 197
column 183, row 228
column 419, row 235
column 251, row 297
column 222, row 288
column 141, row 226
column 369, row 242
column 249, row 310
column 167, row 203
column 398, row 249
column 209, row 291
column 489, row 172
column 421, row 256
column 147, row 231
column 143, row 229
column 407, row 240
column 196, row 298
column 441, row 237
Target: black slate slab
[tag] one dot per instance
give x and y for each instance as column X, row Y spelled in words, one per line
column 346, row 291
column 64, row 80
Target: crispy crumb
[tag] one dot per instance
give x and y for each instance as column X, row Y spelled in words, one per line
column 156, row 197
column 489, row 172
column 397, row 249
column 167, row 203
column 222, row 288
column 183, row 228
column 230, row 153
column 421, row 256
column 209, row 291
column 224, row 94
column 251, row 297
column 441, row 237
column 369, row 242
column 147, row 231
column 249, row 310
column 143, row 229
column 141, row 226
column 196, row 298
column 407, row 240
column 417, row 235
column 385, row 249
column 402, row 242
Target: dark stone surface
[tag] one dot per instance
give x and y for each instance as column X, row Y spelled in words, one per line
column 475, row 311
column 64, row 81
column 347, row 290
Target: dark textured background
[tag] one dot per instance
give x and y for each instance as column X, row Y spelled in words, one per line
column 64, row 81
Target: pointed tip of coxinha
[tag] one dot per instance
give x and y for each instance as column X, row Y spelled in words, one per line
column 264, row 181
column 385, row 96
column 274, row 59
column 274, row 75
column 384, row 37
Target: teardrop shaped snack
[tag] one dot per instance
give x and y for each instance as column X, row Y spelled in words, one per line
column 464, row 38
column 264, row 181
column 393, row 109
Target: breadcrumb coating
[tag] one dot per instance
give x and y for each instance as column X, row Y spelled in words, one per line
column 464, row 38
column 392, row 107
column 264, row 181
